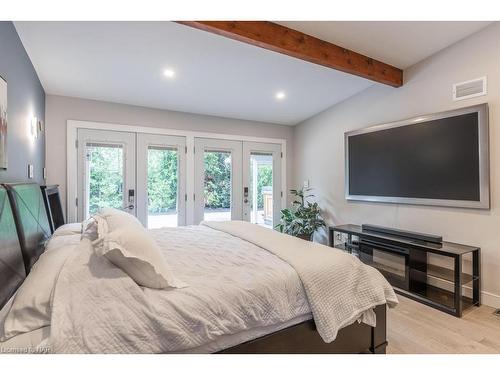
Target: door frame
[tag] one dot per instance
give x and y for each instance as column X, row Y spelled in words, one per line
column 72, row 127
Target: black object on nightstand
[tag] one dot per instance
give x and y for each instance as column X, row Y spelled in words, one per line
column 52, row 201
column 428, row 272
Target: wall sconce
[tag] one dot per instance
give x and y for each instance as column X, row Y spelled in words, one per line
column 34, row 127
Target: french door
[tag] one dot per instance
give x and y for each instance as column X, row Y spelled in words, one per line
column 161, row 180
column 143, row 174
column 218, row 180
column 237, row 180
column 106, row 171
column 148, row 175
column 262, row 183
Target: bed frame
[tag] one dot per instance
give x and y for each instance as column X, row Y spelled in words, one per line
column 24, row 229
column 303, row 338
column 12, row 271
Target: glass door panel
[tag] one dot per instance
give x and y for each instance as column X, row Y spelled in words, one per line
column 260, row 190
column 106, row 171
column 217, row 185
column 160, row 180
column 162, row 187
column 261, row 183
column 105, row 176
column 233, row 180
column 217, row 180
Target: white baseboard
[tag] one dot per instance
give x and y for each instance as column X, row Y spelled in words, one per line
column 490, row 299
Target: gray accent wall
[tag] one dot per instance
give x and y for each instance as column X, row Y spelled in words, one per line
column 26, row 99
column 319, row 149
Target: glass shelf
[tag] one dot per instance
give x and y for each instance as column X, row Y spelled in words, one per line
column 443, row 297
column 448, row 274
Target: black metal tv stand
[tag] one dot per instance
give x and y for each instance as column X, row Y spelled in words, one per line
column 443, row 275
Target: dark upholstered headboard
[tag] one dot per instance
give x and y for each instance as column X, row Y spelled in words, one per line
column 31, row 220
column 12, row 269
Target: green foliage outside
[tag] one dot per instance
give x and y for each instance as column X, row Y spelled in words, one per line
column 217, row 179
column 106, row 176
column 106, row 179
column 162, row 180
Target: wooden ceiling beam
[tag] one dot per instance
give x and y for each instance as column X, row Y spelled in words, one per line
column 291, row 42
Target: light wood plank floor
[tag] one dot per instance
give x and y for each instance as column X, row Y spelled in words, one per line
column 414, row 328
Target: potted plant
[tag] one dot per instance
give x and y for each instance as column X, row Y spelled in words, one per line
column 303, row 219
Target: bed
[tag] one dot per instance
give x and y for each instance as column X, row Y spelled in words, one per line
column 241, row 297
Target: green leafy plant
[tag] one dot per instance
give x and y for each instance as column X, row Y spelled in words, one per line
column 303, row 218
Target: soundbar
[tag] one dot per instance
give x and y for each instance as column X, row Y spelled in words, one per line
column 403, row 233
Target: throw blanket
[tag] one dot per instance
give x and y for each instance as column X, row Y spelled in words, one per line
column 339, row 287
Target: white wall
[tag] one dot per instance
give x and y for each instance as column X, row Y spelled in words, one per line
column 319, row 149
column 59, row 109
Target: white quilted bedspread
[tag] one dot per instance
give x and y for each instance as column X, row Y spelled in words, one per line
column 339, row 287
column 234, row 286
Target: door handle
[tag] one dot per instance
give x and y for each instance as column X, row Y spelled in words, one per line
column 129, row 207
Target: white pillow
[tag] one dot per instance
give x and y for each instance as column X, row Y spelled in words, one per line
column 117, row 219
column 107, row 219
column 94, row 227
column 30, row 308
column 132, row 249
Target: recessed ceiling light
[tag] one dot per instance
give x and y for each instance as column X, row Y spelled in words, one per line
column 280, row 95
column 169, row 73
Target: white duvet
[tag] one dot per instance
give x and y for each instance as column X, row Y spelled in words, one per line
column 234, row 286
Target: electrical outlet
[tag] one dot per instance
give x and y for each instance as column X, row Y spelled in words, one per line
column 306, row 184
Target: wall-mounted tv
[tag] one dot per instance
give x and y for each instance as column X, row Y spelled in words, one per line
column 440, row 159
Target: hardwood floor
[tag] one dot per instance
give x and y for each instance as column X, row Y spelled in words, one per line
column 414, row 328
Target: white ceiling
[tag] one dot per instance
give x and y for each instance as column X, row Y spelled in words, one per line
column 123, row 62
column 400, row 44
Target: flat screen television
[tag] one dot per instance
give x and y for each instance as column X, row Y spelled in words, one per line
column 440, row 159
